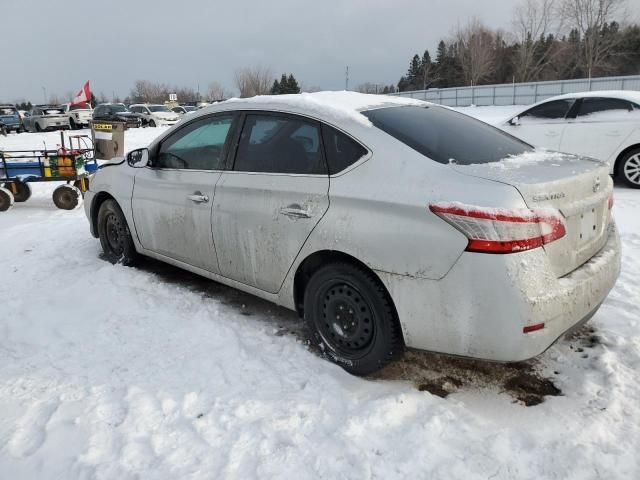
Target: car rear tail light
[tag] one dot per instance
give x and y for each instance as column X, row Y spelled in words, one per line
column 610, row 204
column 491, row 230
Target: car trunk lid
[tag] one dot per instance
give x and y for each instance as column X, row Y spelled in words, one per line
column 576, row 186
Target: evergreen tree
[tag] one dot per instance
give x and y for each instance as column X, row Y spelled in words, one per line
column 292, row 84
column 275, row 89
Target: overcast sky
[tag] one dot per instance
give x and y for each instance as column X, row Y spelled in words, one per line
column 59, row 45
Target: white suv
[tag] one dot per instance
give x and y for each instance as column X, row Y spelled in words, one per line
column 155, row 115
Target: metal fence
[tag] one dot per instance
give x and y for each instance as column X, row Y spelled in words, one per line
column 520, row 93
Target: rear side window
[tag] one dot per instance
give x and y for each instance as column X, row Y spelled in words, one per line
column 280, row 144
column 554, row 110
column 592, row 106
column 446, row 136
column 341, row 150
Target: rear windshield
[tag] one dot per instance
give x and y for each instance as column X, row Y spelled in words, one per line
column 8, row 111
column 446, row 136
column 118, row 107
column 159, row 108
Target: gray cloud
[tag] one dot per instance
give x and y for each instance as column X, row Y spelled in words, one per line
column 59, row 45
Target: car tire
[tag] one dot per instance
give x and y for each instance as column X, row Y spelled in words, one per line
column 152, row 123
column 115, row 236
column 66, row 197
column 72, row 124
column 38, row 128
column 629, row 170
column 6, row 199
column 352, row 318
column 23, row 191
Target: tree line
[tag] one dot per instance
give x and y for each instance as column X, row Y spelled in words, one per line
column 550, row 40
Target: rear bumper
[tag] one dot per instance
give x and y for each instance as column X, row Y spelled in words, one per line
column 479, row 309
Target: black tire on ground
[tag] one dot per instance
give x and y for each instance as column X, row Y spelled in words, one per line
column 23, row 192
column 72, row 124
column 66, row 197
column 629, row 170
column 114, row 234
column 6, row 199
column 352, row 318
column 152, row 123
column 38, row 129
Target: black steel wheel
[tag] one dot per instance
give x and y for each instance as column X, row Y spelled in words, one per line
column 114, row 234
column 23, row 191
column 152, row 123
column 352, row 318
column 6, row 199
column 66, row 197
column 629, row 169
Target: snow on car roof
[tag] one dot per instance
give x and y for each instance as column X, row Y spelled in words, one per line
column 338, row 105
column 631, row 95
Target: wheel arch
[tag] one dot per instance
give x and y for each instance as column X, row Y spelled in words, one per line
column 317, row 259
column 96, row 202
column 621, row 155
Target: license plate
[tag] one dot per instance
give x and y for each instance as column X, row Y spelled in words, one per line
column 588, row 225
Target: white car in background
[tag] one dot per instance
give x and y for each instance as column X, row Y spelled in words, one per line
column 155, row 115
column 78, row 115
column 603, row 125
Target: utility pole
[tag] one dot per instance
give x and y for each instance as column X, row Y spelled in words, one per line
column 44, row 92
column 346, row 78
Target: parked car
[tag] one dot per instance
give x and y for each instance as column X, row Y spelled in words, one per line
column 79, row 115
column 184, row 109
column 116, row 112
column 46, row 117
column 10, row 119
column 385, row 222
column 603, row 125
column 155, row 115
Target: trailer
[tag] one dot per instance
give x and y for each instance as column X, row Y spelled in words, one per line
column 72, row 164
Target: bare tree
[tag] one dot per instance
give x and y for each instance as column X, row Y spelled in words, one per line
column 146, row 91
column 368, row 87
column 253, row 81
column 533, row 20
column 475, row 51
column 217, row 92
column 589, row 18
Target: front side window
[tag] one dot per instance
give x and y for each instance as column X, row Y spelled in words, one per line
column 446, row 136
column 200, row 145
column 555, row 110
column 280, row 144
column 341, row 150
column 595, row 108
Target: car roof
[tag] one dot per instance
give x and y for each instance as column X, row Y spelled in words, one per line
column 329, row 106
column 631, row 95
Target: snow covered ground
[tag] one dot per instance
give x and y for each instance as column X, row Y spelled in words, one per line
column 110, row 372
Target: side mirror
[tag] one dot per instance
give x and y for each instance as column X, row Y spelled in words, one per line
column 138, row 158
column 514, row 122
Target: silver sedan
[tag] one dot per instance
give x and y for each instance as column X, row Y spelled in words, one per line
column 386, row 223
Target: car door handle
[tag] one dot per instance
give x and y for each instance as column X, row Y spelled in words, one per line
column 295, row 211
column 197, row 197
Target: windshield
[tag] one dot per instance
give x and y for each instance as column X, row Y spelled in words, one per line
column 159, row 108
column 79, row 107
column 446, row 136
column 118, row 107
column 8, row 111
column 190, row 109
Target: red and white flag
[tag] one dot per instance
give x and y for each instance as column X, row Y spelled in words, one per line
column 83, row 96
